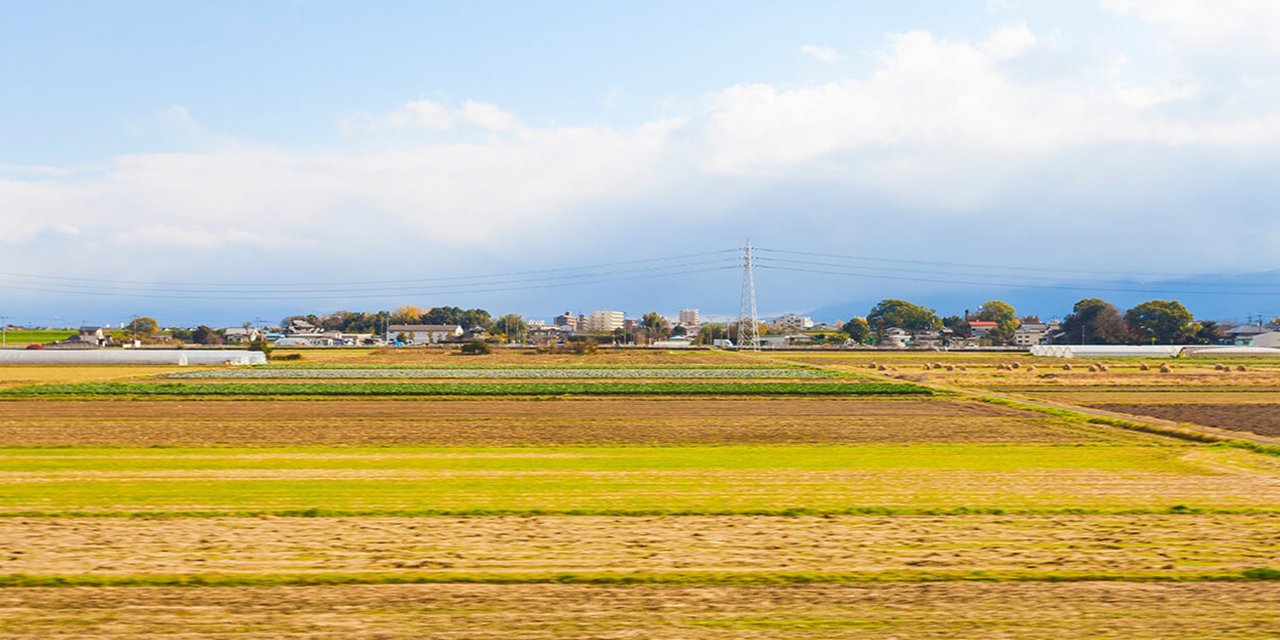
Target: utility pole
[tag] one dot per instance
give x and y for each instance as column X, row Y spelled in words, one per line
column 748, row 317
column 4, row 331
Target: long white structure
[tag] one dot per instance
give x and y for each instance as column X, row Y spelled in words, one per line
column 130, row 356
column 1148, row 351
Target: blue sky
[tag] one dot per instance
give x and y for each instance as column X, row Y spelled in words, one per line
column 263, row 144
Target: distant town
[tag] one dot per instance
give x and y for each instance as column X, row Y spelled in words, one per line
column 893, row 324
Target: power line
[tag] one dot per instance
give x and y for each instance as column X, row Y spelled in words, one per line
column 331, row 284
column 783, row 261
column 568, row 278
column 982, row 266
column 1014, row 284
column 321, row 294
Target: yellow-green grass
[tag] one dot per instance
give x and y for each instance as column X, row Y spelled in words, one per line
column 24, row 337
column 639, row 480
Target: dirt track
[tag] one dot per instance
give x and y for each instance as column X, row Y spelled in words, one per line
column 455, row 612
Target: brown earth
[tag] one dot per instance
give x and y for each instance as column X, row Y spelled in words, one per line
column 1262, row 419
column 577, row 421
column 1021, row 611
column 1156, row 396
column 1080, row 543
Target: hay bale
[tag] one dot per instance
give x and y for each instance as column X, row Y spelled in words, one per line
column 882, row 368
column 1164, row 368
column 1217, row 367
column 937, row 365
column 951, row 368
column 1031, row 368
column 1066, row 367
column 1144, row 367
column 1014, row 365
column 1103, row 367
column 872, row 365
column 1240, row 367
column 1093, row 368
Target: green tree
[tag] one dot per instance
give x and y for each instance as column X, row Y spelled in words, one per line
column 1206, row 332
column 1003, row 314
column 655, row 326
column 143, row 327
column 206, row 335
column 512, row 325
column 857, row 329
column 904, row 315
column 1159, row 321
column 1094, row 321
column 476, row 348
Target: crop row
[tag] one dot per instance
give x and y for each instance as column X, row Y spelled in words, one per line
column 296, row 374
column 467, row 389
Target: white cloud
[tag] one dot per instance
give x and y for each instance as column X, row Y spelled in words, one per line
column 1209, row 24
column 944, row 125
column 432, row 115
column 821, row 53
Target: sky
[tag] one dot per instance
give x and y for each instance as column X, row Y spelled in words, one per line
column 225, row 162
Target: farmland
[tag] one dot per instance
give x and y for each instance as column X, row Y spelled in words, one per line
column 675, row 494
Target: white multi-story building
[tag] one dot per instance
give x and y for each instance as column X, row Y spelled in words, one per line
column 603, row 321
column 688, row 317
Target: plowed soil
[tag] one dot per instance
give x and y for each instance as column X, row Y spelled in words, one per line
column 1263, row 419
column 459, row 611
column 505, row 545
column 464, row 422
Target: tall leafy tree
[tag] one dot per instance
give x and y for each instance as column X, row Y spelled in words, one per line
column 655, row 326
column 143, row 327
column 904, row 315
column 1094, row 321
column 1159, row 321
column 408, row 314
column 511, row 325
column 857, row 329
column 1004, row 315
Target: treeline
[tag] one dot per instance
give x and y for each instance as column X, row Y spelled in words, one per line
column 1091, row 321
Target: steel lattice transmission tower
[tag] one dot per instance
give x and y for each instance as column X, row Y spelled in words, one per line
column 748, row 318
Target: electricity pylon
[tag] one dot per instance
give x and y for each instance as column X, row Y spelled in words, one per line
column 748, row 318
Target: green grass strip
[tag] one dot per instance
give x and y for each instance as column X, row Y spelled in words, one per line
column 18, row 580
column 470, row 389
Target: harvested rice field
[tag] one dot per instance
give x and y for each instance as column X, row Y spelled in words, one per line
column 705, row 495
column 533, row 422
column 1263, row 419
column 1044, row 610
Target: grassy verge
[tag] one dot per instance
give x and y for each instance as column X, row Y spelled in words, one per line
column 470, row 389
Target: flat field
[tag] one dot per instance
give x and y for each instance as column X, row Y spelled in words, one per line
column 1039, row 611
column 704, row 496
column 582, row 421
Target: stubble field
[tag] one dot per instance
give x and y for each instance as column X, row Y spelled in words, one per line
column 218, row 512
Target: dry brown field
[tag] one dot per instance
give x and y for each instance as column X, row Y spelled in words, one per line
column 51, row 422
column 1021, row 611
column 1262, row 419
column 22, row 375
column 1165, row 545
